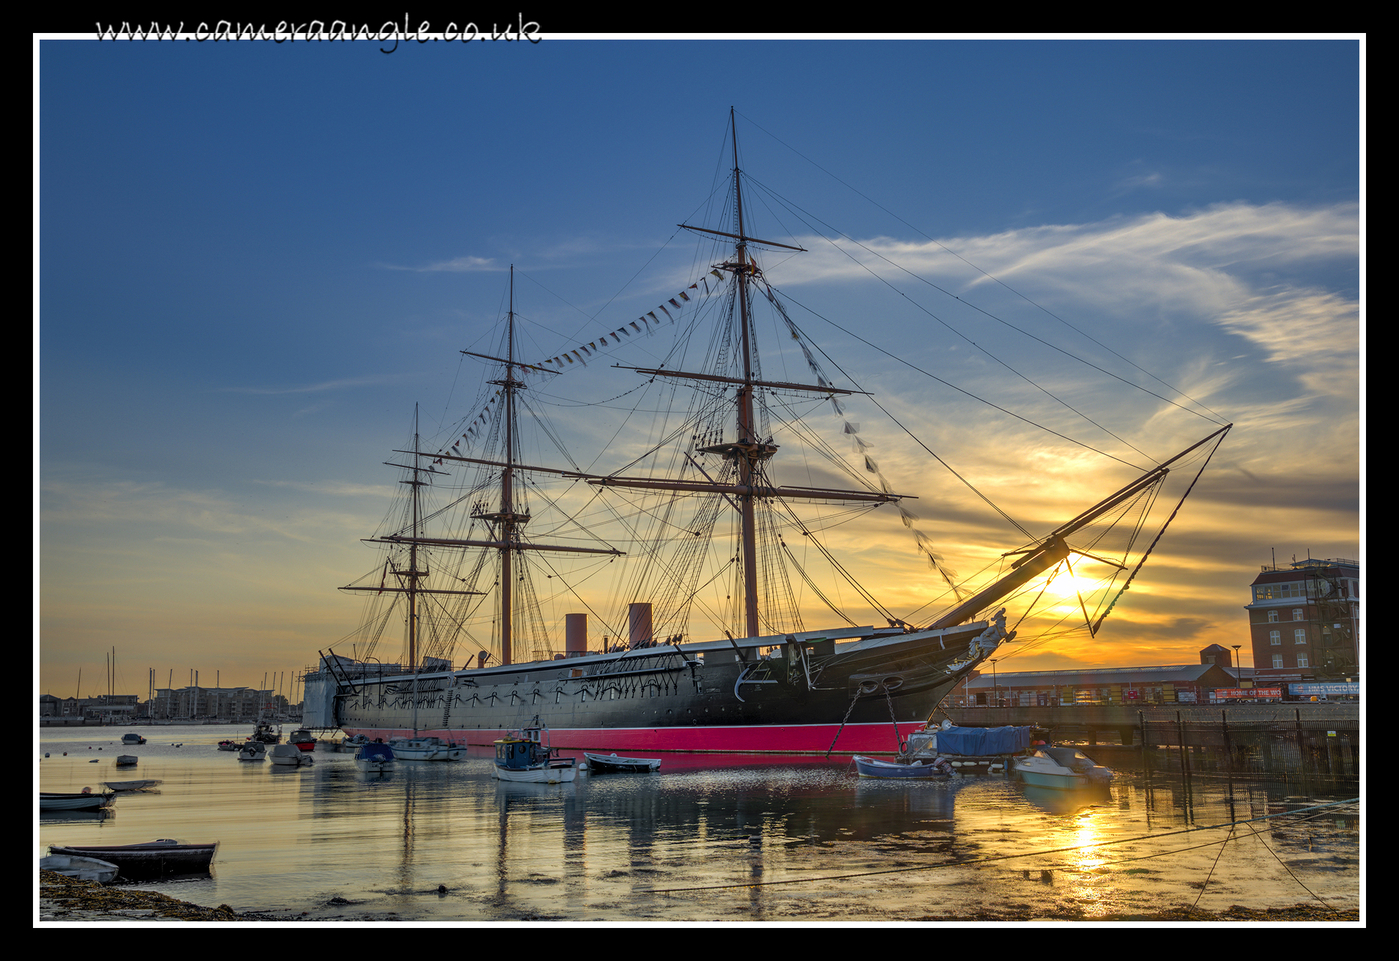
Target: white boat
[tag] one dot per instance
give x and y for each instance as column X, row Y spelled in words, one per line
column 375, row 757
column 132, row 738
column 1064, row 768
column 426, row 749
column 524, row 756
column 288, row 755
column 602, row 763
column 84, row 869
column 253, row 751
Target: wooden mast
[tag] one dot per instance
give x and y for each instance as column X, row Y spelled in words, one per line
column 749, row 450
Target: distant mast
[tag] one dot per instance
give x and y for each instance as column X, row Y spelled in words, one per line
column 507, row 521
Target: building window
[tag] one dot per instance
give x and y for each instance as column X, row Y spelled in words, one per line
column 1275, row 638
column 1297, row 613
column 1302, row 661
column 1299, row 636
column 1277, row 660
column 1272, row 617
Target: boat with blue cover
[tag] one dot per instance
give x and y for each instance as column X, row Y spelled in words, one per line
column 374, row 756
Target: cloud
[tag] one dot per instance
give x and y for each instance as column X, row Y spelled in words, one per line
column 457, row 265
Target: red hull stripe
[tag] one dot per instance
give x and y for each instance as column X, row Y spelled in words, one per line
column 764, row 739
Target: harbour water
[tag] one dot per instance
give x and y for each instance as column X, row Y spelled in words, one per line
column 706, row 839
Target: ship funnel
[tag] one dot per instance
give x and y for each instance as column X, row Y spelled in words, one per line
column 639, row 622
column 576, row 634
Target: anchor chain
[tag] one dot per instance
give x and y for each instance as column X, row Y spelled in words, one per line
column 888, row 686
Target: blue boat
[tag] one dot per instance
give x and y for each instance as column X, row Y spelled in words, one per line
column 901, row 769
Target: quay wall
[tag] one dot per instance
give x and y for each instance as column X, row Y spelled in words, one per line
column 1285, row 738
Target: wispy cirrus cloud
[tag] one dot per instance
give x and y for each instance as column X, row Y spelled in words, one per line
column 457, row 265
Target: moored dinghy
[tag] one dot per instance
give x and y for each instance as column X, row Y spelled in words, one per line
column 150, row 859
column 82, row 801
column 904, row 769
column 138, row 785
column 84, row 869
column 606, row 763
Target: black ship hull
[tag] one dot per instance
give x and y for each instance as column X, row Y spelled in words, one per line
column 800, row 695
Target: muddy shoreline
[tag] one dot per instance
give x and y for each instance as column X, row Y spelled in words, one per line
column 64, row 899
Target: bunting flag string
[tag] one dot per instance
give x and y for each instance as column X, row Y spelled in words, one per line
column 584, row 352
column 642, row 325
column 859, row 445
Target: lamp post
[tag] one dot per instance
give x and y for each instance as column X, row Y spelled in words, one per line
column 995, row 690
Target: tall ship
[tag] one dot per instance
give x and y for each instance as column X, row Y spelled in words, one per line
column 707, row 516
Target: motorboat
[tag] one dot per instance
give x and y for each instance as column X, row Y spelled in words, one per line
column 132, row 738
column 263, row 733
column 375, row 756
column 252, row 751
column 426, row 749
column 230, row 744
column 303, row 740
column 1064, row 768
column 288, row 755
column 126, row 760
column 605, row 763
column 150, row 859
column 904, row 768
column 84, row 869
column 525, row 756
column 84, row 800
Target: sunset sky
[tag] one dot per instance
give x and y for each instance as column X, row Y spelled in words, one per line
column 254, row 259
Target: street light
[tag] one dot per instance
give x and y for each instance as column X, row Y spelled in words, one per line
column 995, row 691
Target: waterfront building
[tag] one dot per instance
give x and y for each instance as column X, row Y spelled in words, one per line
column 1304, row 622
column 216, row 703
column 1168, row 684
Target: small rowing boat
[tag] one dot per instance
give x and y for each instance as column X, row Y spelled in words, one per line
column 82, row 801
column 84, row 869
column 606, row 763
column 150, row 859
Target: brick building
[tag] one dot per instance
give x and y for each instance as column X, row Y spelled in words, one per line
column 1304, row 622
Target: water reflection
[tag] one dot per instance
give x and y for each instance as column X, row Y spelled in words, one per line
column 708, row 839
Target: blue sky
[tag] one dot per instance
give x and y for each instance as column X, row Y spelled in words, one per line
column 255, row 258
